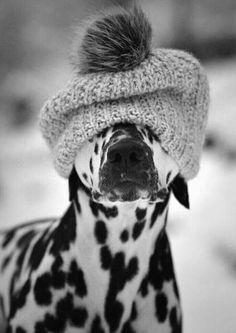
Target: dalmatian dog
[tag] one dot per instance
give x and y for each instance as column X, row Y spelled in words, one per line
column 106, row 265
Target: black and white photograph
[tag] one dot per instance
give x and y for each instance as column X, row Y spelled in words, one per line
column 118, row 166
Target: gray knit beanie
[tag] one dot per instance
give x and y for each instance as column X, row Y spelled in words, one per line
column 118, row 78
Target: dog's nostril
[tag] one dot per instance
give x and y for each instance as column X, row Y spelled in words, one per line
column 136, row 157
column 125, row 154
column 114, row 157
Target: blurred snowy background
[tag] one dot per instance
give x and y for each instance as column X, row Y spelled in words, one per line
column 35, row 38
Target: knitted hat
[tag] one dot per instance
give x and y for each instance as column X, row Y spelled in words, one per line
column 118, row 78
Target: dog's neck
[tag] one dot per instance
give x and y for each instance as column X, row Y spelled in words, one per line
column 121, row 226
column 114, row 246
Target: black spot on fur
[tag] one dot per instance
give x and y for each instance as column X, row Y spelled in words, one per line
column 65, row 233
column 20, row 330
column 114, row 308
column 85, row 176
column 96, row 148
column 168, row 177
column 25, row 239
column 161, row 304
column 23, row 294
column 42, row 293
column 96, row 195
column 160, row 264
column 100, row 232
column 57, row 264
column 96, row 325
column 150, row 137
column 58, row 276
column 78, row 206
column 127, row 328
column 40, row 327
column 8, row 237
column 134, row 312
column 109, row 212
column 18, row 299
column 15, row 295
column 159, row 209
column 113, row 313
column 91, row 165
column 58, row 280
column 76, row 184
column 23, row 244
column 137, row 229
column 143, row 132
column 53, row 323
column 64, row 307
column 166, row 218
column 118, row 278
column 39, row 250
column 94, row 207
column 79, row 316
column 9, row 329
column 176, row 291
column 143, row 290
column 76, row 279
column 124, row 236
column 174, row 323
column 105, row 257
column 140, row 213
column 103, row 148
column 132, row 269
column 65, row 311
column 5, row 262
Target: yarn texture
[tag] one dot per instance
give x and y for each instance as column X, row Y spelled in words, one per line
column 168, row 92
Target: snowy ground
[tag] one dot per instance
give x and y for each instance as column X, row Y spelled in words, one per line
column 203, row 239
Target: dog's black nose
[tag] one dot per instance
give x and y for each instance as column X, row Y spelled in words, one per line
column 126, row 154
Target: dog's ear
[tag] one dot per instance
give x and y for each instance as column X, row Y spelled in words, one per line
column 73, row 184
column 180, row 190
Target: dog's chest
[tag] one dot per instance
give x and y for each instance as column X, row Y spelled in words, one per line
column 82, row 274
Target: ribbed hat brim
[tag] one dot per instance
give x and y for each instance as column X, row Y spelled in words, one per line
column 160, row 112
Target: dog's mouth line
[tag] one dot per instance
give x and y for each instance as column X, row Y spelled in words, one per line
column 128, row 183
column 127, row 193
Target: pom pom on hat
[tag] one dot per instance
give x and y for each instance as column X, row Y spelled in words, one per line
column 115, row 41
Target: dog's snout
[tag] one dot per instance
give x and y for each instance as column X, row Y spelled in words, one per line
column 126, row 154
column 128, row 172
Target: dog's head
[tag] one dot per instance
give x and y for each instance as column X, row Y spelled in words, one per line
column 126, row 163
